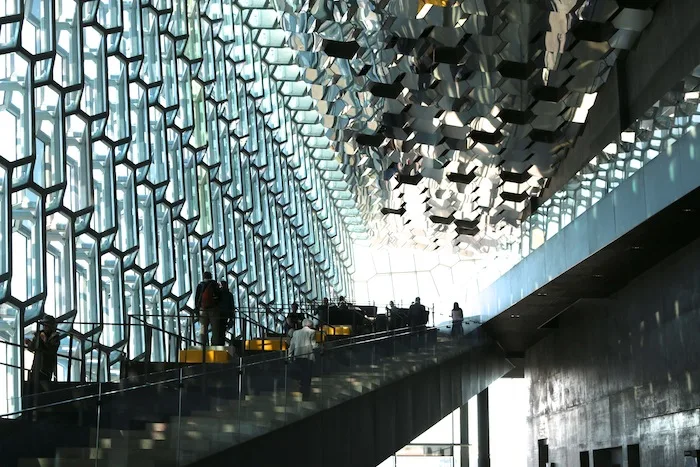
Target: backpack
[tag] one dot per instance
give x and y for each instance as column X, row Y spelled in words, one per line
column 210, row 295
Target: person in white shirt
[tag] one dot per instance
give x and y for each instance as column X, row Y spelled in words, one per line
column 301, row 350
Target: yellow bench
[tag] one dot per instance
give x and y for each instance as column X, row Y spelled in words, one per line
column 194, row 355
column 266, row 344
column 340, row 330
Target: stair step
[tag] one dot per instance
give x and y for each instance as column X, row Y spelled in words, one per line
column 207, row 427
column 125, row 435
column 49, row 462
column 39, row 462
column 124, row 455
column 134, row 443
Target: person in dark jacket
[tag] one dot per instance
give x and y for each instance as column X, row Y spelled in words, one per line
column 457, row 321
column 322, row 311
column 293, row 320
column 44, row 346
column 227, row 312
column 206, row 307
column 417, row 314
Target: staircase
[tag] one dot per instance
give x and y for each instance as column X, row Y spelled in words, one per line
column 180, row 422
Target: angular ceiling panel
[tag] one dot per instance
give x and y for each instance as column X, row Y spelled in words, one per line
column 409, row 87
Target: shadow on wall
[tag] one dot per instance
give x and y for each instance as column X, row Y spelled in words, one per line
column 623, row 372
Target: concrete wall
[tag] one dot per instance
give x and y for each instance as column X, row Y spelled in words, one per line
column 623, row 371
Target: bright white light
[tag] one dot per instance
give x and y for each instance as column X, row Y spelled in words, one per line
column 580, row 115
column 610, row 149
column 483, row 124
column 627, row 136
column 588, row 100
column 452, row 119
column 509, row 407
column 424, row 11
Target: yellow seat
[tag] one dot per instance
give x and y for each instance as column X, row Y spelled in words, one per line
column 338, row 330
column 439, row 3
column 266, row 344
column 194, row 355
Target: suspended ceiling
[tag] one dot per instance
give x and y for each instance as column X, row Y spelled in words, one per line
column 444, row 118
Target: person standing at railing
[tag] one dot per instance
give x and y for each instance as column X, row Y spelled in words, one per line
column 417, row 314
column 206, row 302
column 391, row 315
column 44, row 346
column 293, row 320
column 457, row 319
column 301, row 350
column 227, row 313
column 322, row 311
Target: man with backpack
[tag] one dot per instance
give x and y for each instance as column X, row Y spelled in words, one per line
column 206, row 305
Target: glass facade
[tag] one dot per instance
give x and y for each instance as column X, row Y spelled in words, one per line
column 675, row 114
column 148, row 142
column 439, row 279
column 439, row 446
column 454, row 440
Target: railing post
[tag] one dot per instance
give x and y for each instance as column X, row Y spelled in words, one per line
column 240, row 394
column 128, row 338
column 243, row 335
column 286, row 366
column 97, row 424
column 99, row 358
column 482, row 408
column 148, row 334
column 180, row 385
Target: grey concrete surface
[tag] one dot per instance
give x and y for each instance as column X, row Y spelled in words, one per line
column 623, row 371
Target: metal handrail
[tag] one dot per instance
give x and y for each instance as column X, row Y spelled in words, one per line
column 72, row 332
column 182, row 338
column 151, row 325
column 385, row 335
column 262, row 328
column 304, row 314
column 239, row 315
column 256, row 323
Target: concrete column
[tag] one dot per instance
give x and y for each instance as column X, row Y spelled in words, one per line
column 464, row 435
column 482, row 408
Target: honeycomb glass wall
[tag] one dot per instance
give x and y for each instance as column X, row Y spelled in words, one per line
column 146, row 143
